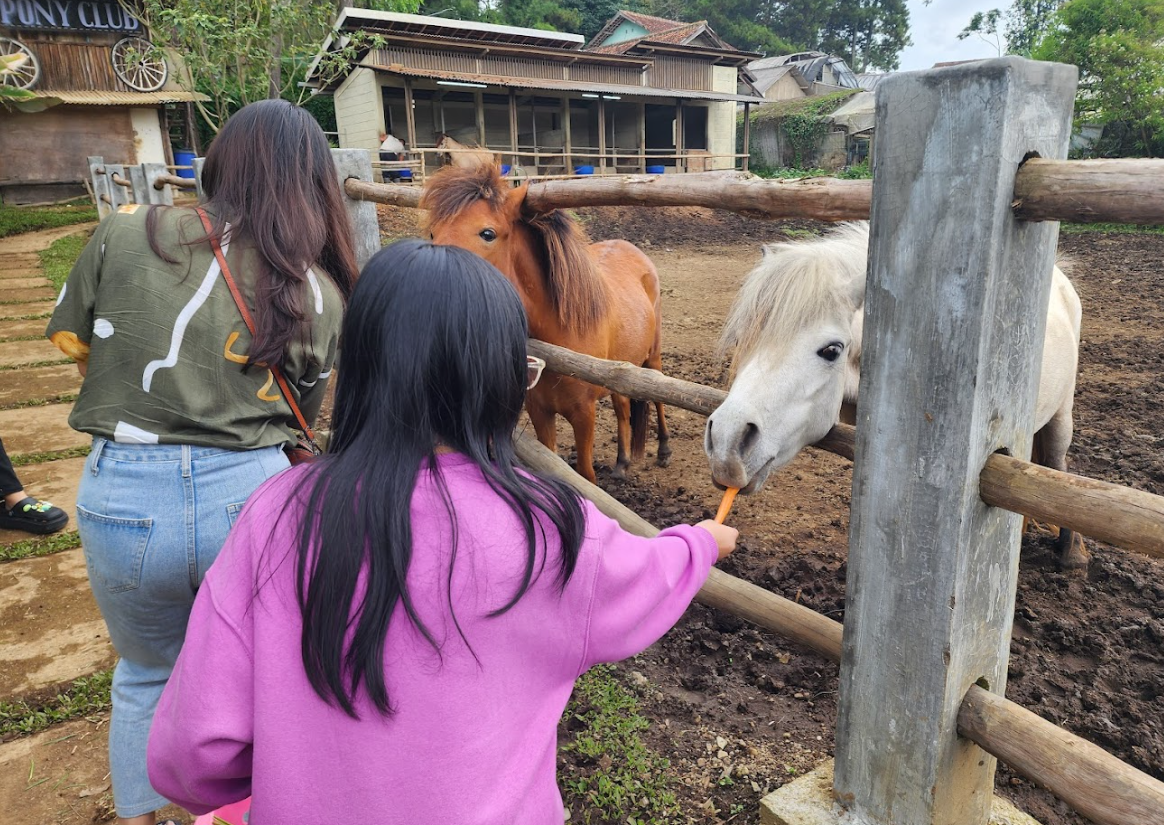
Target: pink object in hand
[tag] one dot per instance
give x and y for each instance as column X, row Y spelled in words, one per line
column 236, row 813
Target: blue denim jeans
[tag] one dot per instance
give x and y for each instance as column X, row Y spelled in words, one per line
column 152, row 519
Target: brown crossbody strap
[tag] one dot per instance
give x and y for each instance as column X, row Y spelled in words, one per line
column 250, row 322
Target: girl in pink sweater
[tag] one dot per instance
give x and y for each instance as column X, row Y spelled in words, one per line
column 392, row 633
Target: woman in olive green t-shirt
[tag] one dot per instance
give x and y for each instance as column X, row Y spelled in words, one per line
column 186, row 415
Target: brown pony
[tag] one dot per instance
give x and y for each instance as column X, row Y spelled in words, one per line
column 601, row 299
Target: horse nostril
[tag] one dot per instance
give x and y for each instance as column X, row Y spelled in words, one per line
column 751, row 433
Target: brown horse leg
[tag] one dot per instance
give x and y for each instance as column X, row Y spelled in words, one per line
column 581, row 418
column 622, row 415
column 544, row 424
column 664, row 455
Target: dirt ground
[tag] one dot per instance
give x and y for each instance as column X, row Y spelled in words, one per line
column 740, row 712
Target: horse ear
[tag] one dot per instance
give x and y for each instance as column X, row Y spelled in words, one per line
column 515, row 200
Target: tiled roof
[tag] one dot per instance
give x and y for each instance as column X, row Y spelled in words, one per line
column 677, row 34
column 653, row 25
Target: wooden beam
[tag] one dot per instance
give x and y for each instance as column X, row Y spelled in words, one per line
column 602, row 137
column 513, row 130
column 680, row 143
column 410, row 115
column 567, row 147
column 479, row 112
column 642, row 137
column 1089, row 191
column 932, row 569
column 747, row 136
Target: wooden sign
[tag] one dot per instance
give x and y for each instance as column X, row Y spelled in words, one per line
column 68, row 15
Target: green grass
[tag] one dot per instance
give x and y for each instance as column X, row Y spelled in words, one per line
column 84, row 697
column 49, row 363
column 620, row 778
column 38, row 316
column 64, row 398
column 24, row 459
column 1111, row 228
column 59, row 258
column 859, row 172
column 17, row 219
column 40, row 546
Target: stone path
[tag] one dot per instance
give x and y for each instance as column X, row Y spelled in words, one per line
column 50, row 629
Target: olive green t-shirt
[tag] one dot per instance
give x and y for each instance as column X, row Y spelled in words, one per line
column 166, row 345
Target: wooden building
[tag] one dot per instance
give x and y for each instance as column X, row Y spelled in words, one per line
column 646, row 93
column 99, row 86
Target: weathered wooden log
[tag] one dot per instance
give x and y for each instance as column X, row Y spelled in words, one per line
column 1087, row 191
column 721, row 590
column 1111, row 513
column 393, row 194
column 1083, row 775
column 176, row 181
column 1128, row 518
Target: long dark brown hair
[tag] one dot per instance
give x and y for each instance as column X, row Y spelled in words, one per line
column 269, row 174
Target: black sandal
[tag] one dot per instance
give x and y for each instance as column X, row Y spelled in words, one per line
column 33, row 516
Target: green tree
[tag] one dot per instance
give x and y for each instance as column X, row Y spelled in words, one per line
column 1118, row 46
column 239, row 51
column 595, row 13
column 867, row 33
column 1026, row 22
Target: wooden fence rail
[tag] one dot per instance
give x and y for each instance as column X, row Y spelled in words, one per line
column 1083, row 775
column 1074, row 191
column 1132, row 519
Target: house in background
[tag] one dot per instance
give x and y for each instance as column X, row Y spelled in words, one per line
column 646, row 93
column 99, row 87
column 803, row 74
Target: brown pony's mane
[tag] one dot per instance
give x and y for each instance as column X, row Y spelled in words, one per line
column 570, row 276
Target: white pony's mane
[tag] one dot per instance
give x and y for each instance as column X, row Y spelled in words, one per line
column 795, row 285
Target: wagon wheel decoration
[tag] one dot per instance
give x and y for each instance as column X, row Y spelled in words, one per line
column 19, row 68
column 140, row 64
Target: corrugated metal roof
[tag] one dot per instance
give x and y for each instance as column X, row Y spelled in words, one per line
column 566, row 85
column 374, row 21
column 119, row 98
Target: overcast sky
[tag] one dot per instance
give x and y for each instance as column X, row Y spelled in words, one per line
column 934, row 30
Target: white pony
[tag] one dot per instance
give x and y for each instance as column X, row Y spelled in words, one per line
column 794, row 333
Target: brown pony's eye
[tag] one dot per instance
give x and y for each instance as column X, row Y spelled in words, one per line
column 487, row 235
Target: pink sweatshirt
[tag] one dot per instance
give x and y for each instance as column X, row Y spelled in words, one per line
column 472, row 741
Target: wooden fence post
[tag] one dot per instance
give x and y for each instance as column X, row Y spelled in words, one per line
column 356, row 163
column 956, row 305
column 152, row 172
column 198, row 164
column 99, row 180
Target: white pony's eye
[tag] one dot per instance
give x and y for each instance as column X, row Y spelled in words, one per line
column 832, row 352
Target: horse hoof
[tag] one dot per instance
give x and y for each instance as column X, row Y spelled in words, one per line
column 1073, row 555
column 618, row 472
column 663, row 460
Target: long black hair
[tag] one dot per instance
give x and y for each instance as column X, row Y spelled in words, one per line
column 269, row 173
column 434, row 354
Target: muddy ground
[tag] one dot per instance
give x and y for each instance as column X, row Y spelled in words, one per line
column 740, row 712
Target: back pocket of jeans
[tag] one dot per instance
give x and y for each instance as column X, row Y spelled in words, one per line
column 114, row 548
column 232, row 511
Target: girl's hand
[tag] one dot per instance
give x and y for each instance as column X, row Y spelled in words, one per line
column 725, row 537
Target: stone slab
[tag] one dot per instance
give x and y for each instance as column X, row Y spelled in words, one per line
column 809, row 801
column 54, row 481
column 32, row 383
column 50, row 628
column 16, row 353
column 10, row 329
column 39, row 293
column 39, row 429
column 20, row 310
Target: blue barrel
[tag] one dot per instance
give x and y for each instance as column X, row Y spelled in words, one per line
column 184, row 157
column 583, row 170
column 505, row 169
column 656, row 170
column 405, row 174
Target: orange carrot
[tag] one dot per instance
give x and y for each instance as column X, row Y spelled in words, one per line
column 725, row 506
